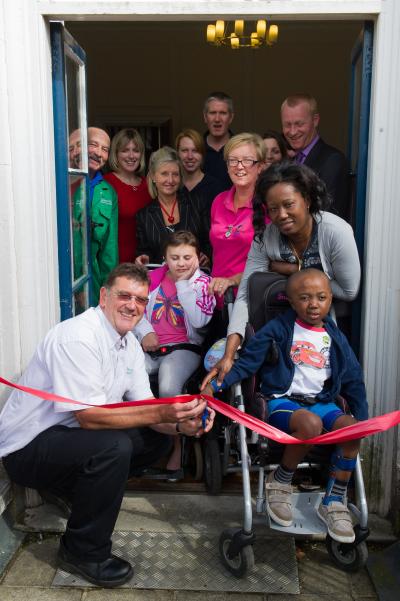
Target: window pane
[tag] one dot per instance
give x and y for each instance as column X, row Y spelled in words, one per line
column 81, row 299
column 77, row 199
column 73, row 100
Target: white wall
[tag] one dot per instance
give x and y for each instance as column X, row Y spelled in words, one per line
column 381, row 271
column 28, row 246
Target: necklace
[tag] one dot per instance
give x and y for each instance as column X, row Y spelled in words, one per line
column 170, row 216
column 133, row 186
column 299, row 260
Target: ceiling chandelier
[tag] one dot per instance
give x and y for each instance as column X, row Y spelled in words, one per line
column 218, row 35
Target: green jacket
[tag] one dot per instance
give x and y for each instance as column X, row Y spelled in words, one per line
column 103, row 231
column 104, row 234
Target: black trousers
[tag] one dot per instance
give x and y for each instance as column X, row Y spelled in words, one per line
column 91, row 468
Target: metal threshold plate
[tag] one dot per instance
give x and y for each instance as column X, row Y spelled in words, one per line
column 167, row 560
column 305, row 519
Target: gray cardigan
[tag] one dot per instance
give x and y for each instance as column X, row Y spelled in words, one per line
column 338, row 253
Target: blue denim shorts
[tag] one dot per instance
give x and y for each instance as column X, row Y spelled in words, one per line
column 280, row 411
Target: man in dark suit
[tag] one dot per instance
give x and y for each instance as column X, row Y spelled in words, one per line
column 300, row 120
column 218, row 115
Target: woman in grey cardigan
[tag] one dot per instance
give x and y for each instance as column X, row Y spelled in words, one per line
column 301, row 234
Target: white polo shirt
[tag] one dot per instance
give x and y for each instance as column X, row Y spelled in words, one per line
column 82, row 358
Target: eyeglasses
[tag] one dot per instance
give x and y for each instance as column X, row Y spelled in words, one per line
column 124, row 297
column 243, row 162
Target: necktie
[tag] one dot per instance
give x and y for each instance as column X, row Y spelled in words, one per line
column 300, row 157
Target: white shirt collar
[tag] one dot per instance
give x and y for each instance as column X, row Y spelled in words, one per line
column 116, row 340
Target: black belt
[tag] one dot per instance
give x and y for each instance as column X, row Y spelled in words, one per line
column 182, row 346
column 300, row 398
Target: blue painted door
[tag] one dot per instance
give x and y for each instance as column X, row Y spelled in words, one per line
column 359, row 104
column 360, row 96
column 70, row 140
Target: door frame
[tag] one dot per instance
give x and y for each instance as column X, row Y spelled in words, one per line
column 30, row 264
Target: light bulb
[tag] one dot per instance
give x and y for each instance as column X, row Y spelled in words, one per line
column 210, row 33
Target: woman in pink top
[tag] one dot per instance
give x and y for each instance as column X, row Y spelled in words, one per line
column 127, row 164
column 170, row 331
column 232, row 231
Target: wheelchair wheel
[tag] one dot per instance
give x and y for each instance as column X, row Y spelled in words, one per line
column 347, row 556
column 242, row 562
column 195, row 460
column 212, row 466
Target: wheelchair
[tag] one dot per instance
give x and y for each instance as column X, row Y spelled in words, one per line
column 232, row 448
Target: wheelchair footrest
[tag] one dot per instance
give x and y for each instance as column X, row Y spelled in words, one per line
column 305, row 519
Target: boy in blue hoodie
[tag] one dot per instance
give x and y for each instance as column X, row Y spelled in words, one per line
column 315, row 364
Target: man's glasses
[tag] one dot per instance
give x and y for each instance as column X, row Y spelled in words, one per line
column 124, row 297
column 243, row 162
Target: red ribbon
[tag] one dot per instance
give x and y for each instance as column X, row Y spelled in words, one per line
column 358, row 430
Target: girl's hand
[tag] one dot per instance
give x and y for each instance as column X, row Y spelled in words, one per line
column 204, row 260
column 142, row 260
column 189, row 272
column 150, row 342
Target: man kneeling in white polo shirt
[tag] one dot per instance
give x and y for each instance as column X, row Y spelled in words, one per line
column 87, row 453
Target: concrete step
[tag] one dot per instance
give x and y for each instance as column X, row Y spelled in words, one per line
column 181, row 512
column 10, row 538
column 5, row 490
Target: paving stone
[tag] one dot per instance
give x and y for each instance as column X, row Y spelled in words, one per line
column 35, row 565
column 319, row 597
column 22, row 593
column 10, row 540
column 318, row 576
column 362, row 585
column 194, row 596
column 128, row 595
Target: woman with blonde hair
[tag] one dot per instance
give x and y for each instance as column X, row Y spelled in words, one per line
column 127, row 163
column 171, row 210
column 232, row 232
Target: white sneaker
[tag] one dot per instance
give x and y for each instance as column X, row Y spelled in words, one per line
column 337, row 518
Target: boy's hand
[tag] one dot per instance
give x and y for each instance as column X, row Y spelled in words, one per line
column 207, row 389
column 219, row 370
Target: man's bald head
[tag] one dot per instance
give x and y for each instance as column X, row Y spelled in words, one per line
column 98, row 147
